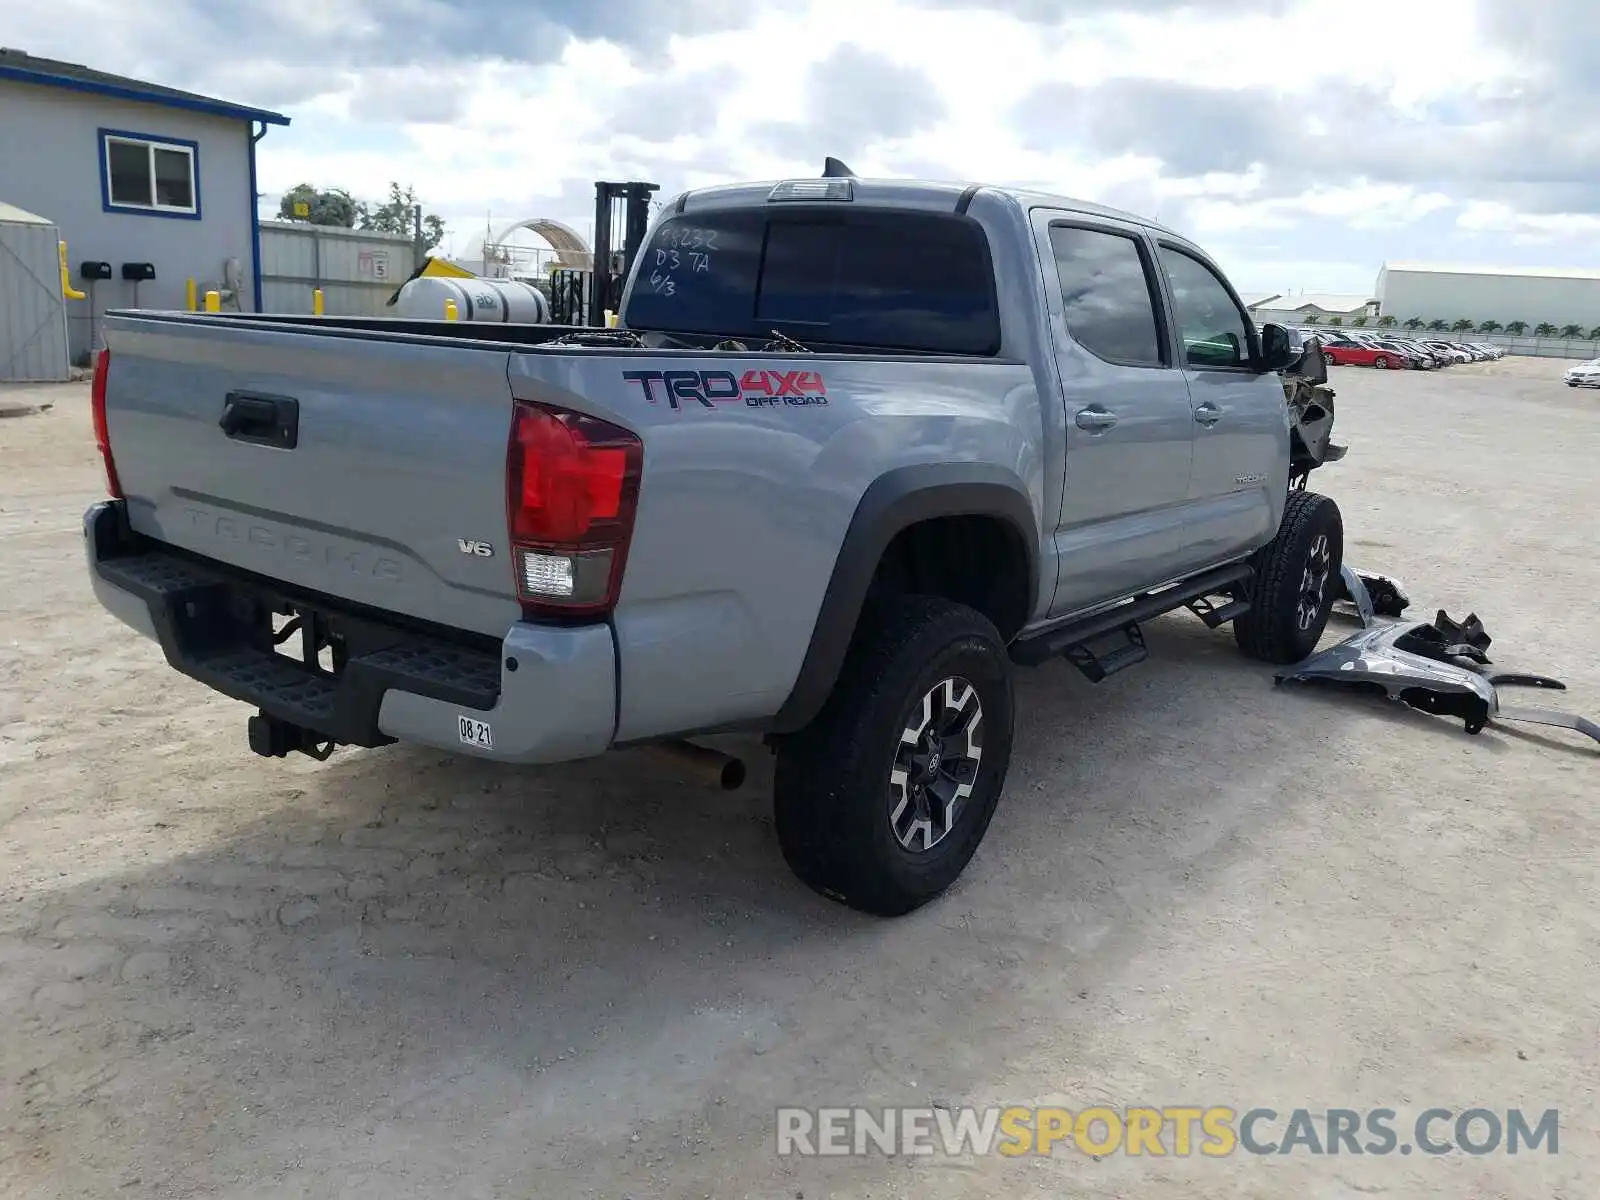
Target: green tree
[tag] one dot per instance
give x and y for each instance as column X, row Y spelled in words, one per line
column 1572, row 331
column 334, row 206
column 1386, row 322
column 1594, row 334
column 1335, row 320
column 1544, row 329
column 1415, row 323
column 1313, row 319
column 395, row 215
column 1437, row 324
column 1516, row 328
column 1489, row 327
column 1358, row 322
column 1461, row 325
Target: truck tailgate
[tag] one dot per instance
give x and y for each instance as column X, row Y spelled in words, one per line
column 372, row 471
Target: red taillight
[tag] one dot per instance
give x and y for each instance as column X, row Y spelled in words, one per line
column 572, row 487
column 102, row 435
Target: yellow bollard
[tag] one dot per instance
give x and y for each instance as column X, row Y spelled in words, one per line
column 67, row 290
column 316, row 302
column 213, row 301
column 450, row 313
column 191, row 296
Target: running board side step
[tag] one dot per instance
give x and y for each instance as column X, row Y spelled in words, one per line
column 1071, row 638
column 1217, row 615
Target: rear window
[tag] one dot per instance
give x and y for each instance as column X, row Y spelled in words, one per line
column 919, row 282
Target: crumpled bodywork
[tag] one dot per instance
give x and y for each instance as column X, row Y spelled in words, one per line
column 1440, row 667
column 1372, row 596
column 1310, row 401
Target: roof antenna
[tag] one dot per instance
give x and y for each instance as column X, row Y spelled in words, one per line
column 832, row 168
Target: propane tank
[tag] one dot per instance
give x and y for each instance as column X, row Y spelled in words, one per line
column 502, row 301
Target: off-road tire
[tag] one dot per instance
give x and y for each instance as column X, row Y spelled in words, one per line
column 832, row 792
column 1274, row 630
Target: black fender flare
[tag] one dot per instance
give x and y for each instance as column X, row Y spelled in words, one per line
column 895, row 501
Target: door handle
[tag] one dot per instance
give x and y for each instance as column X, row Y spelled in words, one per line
column 1095, row 419
column 264, row 420
column 1208, row 413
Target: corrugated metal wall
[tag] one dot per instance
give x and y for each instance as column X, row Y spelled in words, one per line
column 1449, row 295
column 33, row 313
column 357, row 270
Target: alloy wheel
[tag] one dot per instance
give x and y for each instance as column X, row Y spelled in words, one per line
column 935, row 764
column 1314, row 582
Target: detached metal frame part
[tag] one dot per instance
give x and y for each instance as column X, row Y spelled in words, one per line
column 1439, row 667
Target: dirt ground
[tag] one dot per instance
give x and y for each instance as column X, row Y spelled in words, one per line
column 403, row 974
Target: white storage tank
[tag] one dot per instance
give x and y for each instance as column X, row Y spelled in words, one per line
column 502, row 301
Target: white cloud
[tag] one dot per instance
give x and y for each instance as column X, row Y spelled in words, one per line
column 1276, row 131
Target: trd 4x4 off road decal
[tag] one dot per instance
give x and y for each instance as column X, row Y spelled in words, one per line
column 756, row 389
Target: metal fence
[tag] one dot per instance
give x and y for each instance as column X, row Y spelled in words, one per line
column 357, row 270
column 1537, row 347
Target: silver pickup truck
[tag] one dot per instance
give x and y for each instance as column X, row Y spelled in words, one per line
column 856, row 448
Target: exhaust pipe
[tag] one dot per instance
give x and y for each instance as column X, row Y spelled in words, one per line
column 705, row 765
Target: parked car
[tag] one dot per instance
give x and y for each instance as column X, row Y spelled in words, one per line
column 1397, row 354
column 1439, row 354
column 1422, row 359
column 1446, row 354
column 1346, row 352
column 814, row 485
column 1584, row 374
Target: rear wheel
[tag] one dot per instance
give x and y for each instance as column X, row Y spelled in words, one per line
column 882, row 800
column 1381, row 363
column 1296, row 582
column 1327, row 357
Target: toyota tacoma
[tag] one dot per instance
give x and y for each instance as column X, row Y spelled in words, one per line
column 854, row 449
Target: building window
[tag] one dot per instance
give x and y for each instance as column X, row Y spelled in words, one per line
column 143, row 173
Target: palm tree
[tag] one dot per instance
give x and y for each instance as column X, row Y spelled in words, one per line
column 1386, row 322
column 1544, row 329
column 1489, row 327
column 1437, row 324
column 1415, row 323
column 1461, row 326
column 1359, row 321
column 1594, row 334
column 1516, row 328
column 1312, row 318
column 1572, row 331
column 1335, row 320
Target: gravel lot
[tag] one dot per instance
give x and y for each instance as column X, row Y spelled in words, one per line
column 401, row 974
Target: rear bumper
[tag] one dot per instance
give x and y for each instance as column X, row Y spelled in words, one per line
column 548, row 694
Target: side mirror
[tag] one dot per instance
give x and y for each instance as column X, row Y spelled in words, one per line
column 1277, row 348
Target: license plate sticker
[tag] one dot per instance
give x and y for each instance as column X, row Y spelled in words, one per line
column 474, row 732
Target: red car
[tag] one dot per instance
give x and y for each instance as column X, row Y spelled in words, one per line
column 1354, row 354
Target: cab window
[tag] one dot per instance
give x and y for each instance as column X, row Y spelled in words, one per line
column 1106, row 295
column 1213, row 329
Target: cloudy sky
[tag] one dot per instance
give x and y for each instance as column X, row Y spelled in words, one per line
column 1302, row 141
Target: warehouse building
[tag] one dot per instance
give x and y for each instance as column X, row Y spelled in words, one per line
column 1556, row 296
column 1311, row 308
column 147, row 184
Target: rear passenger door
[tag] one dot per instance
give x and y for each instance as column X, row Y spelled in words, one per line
column 1239, row 475
column 1129, row 427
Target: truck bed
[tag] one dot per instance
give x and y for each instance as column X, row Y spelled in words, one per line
column 393, row 496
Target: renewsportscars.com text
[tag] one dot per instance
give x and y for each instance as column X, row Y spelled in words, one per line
column 1213, row 1132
